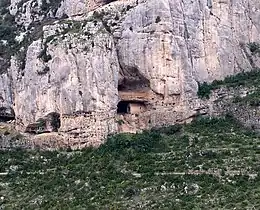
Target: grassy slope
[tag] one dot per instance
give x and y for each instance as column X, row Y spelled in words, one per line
column 209, row 164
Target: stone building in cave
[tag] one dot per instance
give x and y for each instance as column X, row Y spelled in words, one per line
column 132, row 102
column 134, row 96
column 133, row 91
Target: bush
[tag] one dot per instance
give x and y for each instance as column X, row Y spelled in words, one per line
column 158, row 19
column 169, row 130
column 254, row 48
column 7, row 33
column 204, row 90
column 44, row 56
column 142, row 142
column 214, row 125
column 53, row 6
column 241, row 79
column 252, row 99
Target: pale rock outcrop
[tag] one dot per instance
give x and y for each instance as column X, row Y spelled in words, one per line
column 72, row 8
column 80, row 78
column 148, row 54
column 6, row 97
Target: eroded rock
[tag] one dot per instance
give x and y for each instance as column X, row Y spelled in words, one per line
column 150, row 55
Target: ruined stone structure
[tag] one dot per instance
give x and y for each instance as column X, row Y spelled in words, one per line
column 120, row 66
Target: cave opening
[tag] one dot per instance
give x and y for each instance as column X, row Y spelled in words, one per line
column 133, row 91
column 123, row 107
column 54, row 119
column 132, row 80
column 131, row 107
column 6, row 114
column 109, row 1
column 133, row 85
column 6, row 118
column 49, row 123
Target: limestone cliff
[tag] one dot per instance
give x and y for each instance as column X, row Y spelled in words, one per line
column 84, row 69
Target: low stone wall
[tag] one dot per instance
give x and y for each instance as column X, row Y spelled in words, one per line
column 88, row 129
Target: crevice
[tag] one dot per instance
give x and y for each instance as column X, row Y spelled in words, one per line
column 247, row 55
column 186, row 37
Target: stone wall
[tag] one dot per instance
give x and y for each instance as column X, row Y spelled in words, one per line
column 88, row 129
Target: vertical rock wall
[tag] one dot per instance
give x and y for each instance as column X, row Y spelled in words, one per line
column 159, row 49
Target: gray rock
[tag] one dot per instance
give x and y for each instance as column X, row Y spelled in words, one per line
column 154, row 52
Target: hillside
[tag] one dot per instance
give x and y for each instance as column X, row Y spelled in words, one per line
column 81, row 79
column 208, row 164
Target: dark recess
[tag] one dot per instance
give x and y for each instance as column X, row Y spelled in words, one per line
column 55, row 120
column 122, row 107
column 6, row 114
column 109, row 1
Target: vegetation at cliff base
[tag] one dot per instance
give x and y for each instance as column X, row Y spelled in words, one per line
column 254, row 48
column 245, row 79
column 208, row 164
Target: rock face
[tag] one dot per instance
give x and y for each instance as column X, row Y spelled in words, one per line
column 121, row 66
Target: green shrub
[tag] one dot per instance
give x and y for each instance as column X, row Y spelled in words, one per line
column 251, row 78
column 44, row 56
column 52, row 5
column 143, row 142
column 7, row 33
column 204, row 90
column 254, row 47
column 215, row 125
column 252, row 99
column 168, row 130
column 128, row 172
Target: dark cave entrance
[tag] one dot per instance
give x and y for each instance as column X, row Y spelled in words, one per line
column 6, row 114
column 131, row 107
column 132, row 80
column 133, row 90
column 49, row 123
column 54, row 119
column 6, row 118
column 123, row 107
column 133, row 85
column 109, row 1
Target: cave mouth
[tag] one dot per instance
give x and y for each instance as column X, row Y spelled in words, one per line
column 6, row 114
column 49, row 123
column 6, row 118
column 132, row 80
column 55, row 121
column 123, row 107
column 133, row 85
column 131, row 107
column 109, row 1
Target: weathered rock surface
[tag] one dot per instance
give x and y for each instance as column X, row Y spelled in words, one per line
column 152, row 52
